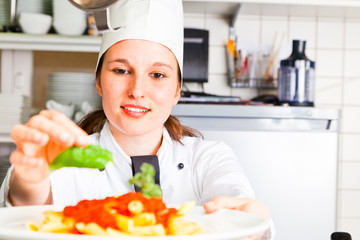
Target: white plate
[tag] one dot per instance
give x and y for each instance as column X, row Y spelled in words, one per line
column 221, row 225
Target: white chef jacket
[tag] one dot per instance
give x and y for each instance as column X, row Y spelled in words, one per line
column 210, row 169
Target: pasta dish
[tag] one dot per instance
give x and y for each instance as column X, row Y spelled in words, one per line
column 135, row 213
column 129, row 214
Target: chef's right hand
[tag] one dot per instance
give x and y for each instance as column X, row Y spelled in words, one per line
column 38, row 142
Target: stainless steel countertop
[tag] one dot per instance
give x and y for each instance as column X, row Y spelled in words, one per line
column 246, row 111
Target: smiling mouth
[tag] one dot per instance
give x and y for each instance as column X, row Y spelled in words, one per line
column 132, row 109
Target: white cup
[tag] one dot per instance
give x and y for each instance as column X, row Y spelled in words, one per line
column 68, row 19
column 85, row 109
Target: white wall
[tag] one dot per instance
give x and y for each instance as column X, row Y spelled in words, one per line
column 334, row 43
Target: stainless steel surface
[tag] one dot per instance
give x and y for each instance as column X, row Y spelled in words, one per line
column 265, row 118
column 100, row 9
column 12, row 12
column 92, row 5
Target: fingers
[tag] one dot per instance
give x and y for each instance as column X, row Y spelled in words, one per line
column 60, row 129
column 44, row 136
column 22, row 133
column 19, row 158
column 223, row 202
column 27, row 170
column 249, row 205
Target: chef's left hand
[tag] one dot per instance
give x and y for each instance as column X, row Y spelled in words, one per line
column 248, row 205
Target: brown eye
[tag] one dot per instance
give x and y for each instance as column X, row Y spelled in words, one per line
column 120, row 71
column 158, row 75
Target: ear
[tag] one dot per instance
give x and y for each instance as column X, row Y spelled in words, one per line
column 177, row 95
column 98, row 87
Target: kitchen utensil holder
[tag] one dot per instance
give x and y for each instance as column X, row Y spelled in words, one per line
column 252, row 70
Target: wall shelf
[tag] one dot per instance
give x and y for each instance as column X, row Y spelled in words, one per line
column 320, row 8
column 230, row 8
column 49, row 42
column 5, row 138
column 229, row 3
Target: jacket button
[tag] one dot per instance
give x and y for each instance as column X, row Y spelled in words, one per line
column 180, row 166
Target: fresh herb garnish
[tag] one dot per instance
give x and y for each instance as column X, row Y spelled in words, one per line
column 146, row 182
column 92, row 156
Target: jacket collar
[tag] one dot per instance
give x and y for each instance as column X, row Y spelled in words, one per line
column 108, row 140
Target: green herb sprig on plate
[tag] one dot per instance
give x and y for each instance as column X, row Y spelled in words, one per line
column 146, row 182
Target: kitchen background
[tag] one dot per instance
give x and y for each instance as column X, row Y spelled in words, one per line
column 333, row 42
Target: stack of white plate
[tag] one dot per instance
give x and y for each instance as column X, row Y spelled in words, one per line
column 4, row 12
column 73, row 88
column 14, row 109
column 35, row 6
column 4, row 166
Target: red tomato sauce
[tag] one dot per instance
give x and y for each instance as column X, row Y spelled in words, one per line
column 99, row 211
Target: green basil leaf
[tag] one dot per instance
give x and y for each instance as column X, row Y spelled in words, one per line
column 92, row 156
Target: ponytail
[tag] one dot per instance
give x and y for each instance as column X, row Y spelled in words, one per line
column 177, row 130
column 93, row 122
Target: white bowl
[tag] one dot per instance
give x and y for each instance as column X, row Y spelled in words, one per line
column 35, row 23
column 68, row 19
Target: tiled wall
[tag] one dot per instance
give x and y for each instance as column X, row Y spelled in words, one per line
column 334, row 43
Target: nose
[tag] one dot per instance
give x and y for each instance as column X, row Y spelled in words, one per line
column 136, row 88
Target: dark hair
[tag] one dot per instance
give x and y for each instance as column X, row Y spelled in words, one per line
column 95, row 120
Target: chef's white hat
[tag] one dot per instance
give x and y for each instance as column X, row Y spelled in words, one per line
column 160, row 21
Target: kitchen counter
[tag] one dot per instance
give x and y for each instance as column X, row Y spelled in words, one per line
column 290, row 155
column 272, row 118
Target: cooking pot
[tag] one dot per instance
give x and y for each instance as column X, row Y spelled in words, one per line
column 100, row 9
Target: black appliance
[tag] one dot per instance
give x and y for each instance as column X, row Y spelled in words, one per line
column 196, row 55
column 297, row 77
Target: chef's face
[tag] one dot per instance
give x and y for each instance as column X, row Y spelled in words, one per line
column 139, row 85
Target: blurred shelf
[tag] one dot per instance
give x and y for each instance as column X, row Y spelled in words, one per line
column 261, row 83
column 5, row 138
column 337, row 3
column 320, row 8
column 49, row 42
column 231, row 8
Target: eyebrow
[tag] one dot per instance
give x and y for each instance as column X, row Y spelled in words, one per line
column 161, row 64
column 122, row 60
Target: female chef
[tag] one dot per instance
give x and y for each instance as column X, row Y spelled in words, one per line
column 139, row 79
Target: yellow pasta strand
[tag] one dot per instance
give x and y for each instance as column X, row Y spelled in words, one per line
column 185, row 208
column 135, row 207
column 178, row 226
column 91, row 229
column 33, row 226
column 124, row 223
column 144, row 219
column 153, row 230
column 114, row 232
